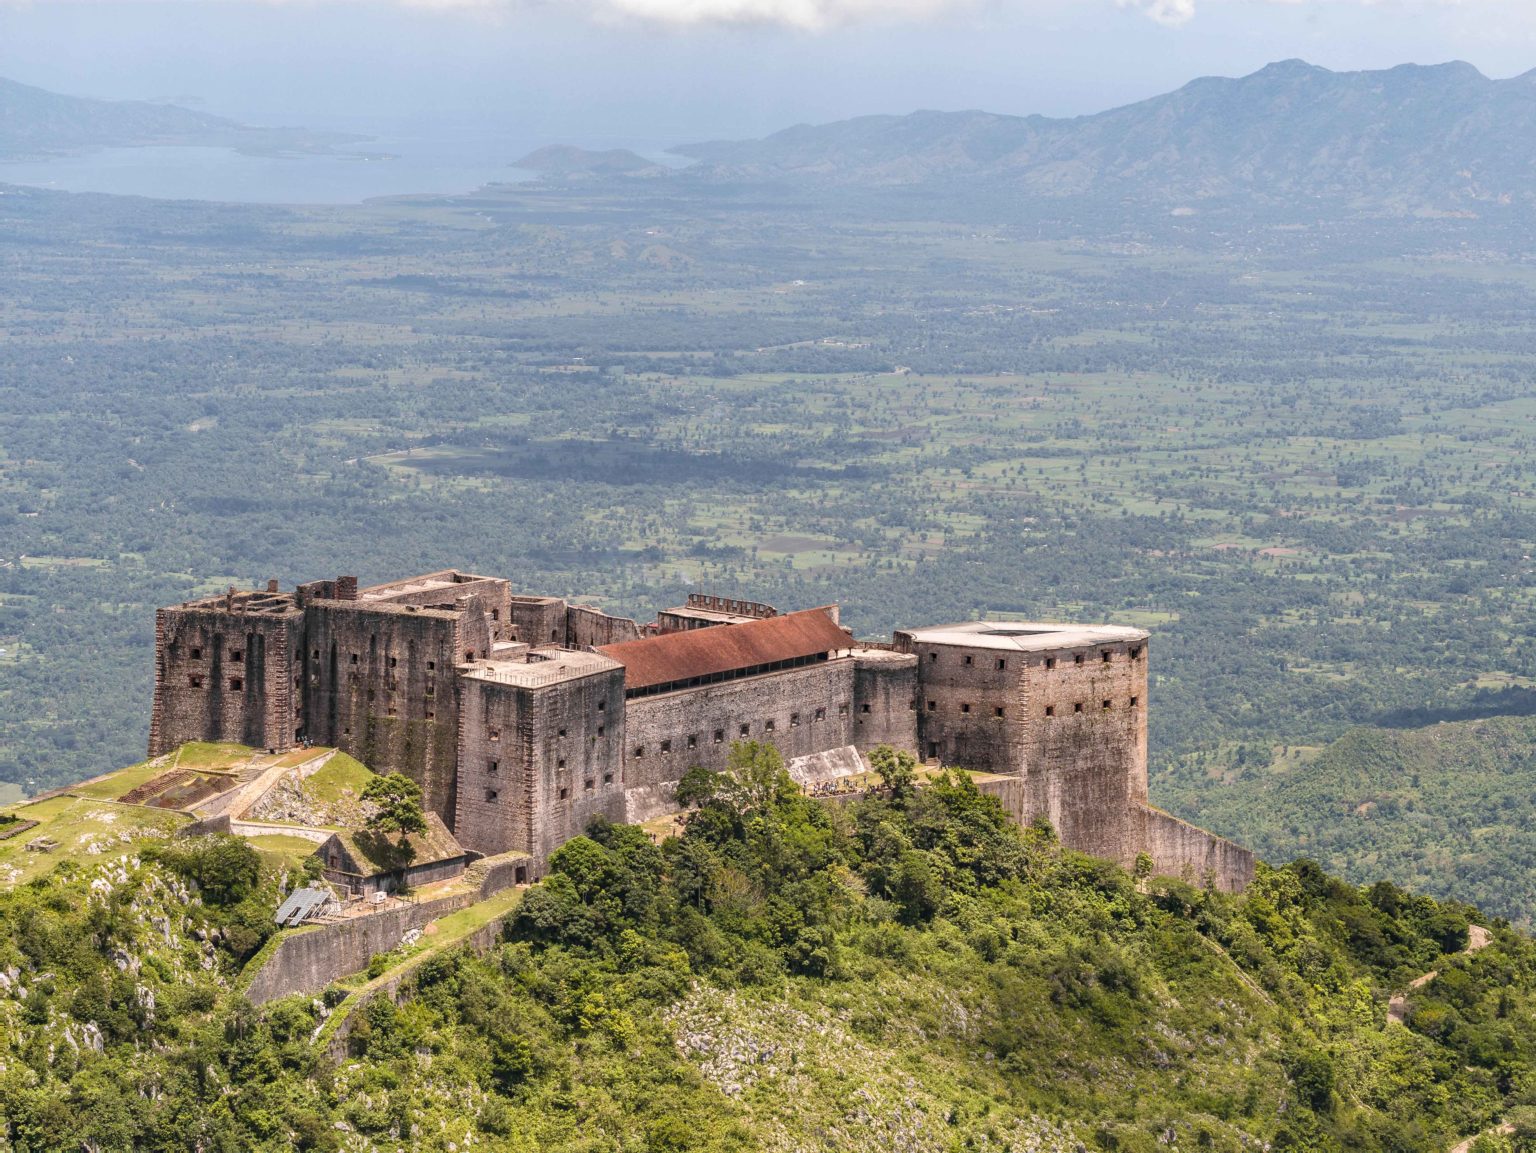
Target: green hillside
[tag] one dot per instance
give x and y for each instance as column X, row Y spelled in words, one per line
column 1443, row 810
column 907, row 972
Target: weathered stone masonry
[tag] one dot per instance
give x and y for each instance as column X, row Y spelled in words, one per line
column 525, row 717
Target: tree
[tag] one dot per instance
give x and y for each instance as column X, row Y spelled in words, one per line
column 754, row 779
column 897, row 770
column 399, row 804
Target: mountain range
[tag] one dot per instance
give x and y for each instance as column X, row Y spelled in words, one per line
column 36, row 122
column 1410, row 138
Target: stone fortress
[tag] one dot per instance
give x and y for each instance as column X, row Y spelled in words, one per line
column 523, row 717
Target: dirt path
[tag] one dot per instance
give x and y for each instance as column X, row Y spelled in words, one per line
column 1397, row 1008
column 1466, row 1146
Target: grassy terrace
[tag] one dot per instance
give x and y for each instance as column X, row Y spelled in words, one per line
column 436, row 937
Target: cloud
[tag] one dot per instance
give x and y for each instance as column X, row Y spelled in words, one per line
column 1169, row 12
column 810, row 15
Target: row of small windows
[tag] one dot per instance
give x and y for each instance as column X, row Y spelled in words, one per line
column 589, row 785
column 1050, row 710
column 743, row 731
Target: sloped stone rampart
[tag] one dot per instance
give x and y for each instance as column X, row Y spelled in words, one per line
column 1179, row 849
column 309, row 959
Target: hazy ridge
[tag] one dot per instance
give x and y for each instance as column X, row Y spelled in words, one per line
column 1411, row 137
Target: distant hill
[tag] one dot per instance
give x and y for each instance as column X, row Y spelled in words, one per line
column 35, row 122
column 1412, row 137
column 1444, row 809
column 566, row 162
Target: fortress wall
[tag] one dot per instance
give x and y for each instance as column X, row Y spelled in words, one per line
column 1086, row 765
column 307, row 960
column 1179, row 849
column 884, row 688
column 969, row 702
column 588, row 627
column 380, row 684
column 538, row 620
column 556, row 754
column 492, row 598
column 711, row 717
column 222, row 675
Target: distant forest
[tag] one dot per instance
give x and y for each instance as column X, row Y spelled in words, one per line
column 1299, row 451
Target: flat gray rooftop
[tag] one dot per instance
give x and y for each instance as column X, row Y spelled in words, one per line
column 548, row 666
column 1026, row 636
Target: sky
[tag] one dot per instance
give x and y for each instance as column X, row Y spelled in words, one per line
column 669, row 71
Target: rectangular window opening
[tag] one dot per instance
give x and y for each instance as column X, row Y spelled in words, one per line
column 195, row 681
column 745, row 729
column 794, row 720
column 1078, row 707
column 1135, row 701
column 666, row 746
column 564, row 792
column 1107, row 656
column 1050, row 663
column 236, row 656
column 607, row 778
column 969, row 659
column 236, row 684
column 997, row 712
column 589, row 784
column 1106, row 702
column 965, row 708
column 491, row 794
column 693, row 741
column 719, row 736
column 639, row 751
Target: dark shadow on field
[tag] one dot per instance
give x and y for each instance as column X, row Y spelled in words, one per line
column 1509, row 702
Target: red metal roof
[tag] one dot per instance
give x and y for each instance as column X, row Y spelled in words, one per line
column 681, row 656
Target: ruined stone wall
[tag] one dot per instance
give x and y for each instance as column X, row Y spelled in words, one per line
column 588, row 627
column 537, row 764
column 799, row 711
column 493, row 594
column 884, row 689
column 380, row 684
column 1082, row 727
column 538, row 620
column 223, row 675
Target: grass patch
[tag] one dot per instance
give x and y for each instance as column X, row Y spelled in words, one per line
column 340, row 776
column 83, row 827
column 283, row 849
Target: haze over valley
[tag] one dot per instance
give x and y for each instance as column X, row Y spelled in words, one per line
column 871, row 306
